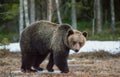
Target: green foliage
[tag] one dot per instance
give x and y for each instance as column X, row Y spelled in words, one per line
column 106, row 33
column 9, row 15
column 5, row 41
column 12, row 12
column 78, row 5
column 12, row 36
column 84, row 25
column 104, row 36
column 8, row 11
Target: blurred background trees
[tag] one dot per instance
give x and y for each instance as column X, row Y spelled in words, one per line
column 100, row 18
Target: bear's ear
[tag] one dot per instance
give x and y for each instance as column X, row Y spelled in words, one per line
column 70, row 32
column 64, row 27
column 85, row 34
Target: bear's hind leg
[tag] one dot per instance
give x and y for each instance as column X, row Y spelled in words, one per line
column 51, row 63
column 27, row 61
column 38, row 60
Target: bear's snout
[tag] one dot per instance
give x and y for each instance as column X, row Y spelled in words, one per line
column 76, row 50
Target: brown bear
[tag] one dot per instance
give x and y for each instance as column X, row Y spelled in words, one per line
column 42, row 38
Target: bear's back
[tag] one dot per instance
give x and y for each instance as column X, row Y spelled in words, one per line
column 41, row 26
column 38, row 36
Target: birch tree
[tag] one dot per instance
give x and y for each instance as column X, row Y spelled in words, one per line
column 21, row 17
column 73, row 15
column 49, row 10
column 94, row 18
column 26, row 13
column 112, row 15
column 98, row 16
column 58, row 12
column 32, row 11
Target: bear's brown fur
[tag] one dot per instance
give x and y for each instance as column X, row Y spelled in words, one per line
column 42, row 38
column 77, row 40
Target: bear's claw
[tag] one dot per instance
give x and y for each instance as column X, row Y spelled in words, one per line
column 38, row 68
column 50, row 70
column 27, row 71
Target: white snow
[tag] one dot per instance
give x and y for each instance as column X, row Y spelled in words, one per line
column 13, row 47
column 40, row 72
column 90, row 46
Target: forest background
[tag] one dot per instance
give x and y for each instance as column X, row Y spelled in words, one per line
column 100, row 18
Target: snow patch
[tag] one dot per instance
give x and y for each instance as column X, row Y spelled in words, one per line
column 13, row 47
column 90, row 46
column 40, row 72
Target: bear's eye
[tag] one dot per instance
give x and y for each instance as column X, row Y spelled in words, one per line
column 80, row 43
column 74, row 42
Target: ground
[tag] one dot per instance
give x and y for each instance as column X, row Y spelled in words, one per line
column 79, row 67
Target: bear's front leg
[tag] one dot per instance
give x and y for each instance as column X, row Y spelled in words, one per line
column 51, row 63
column 60, row 59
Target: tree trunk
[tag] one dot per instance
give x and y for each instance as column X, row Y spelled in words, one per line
column 32, row 11
column 94, row 18
column 49, row 10
column 26, row 13
column 98, row 16
column 112, row 15
column 58, row 12
column 21, row 17
column 73, row 11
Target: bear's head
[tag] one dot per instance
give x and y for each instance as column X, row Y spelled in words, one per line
column 65, row 38
column 76, row 39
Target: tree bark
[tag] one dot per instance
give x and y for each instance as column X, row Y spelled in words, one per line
column 98, row 16
column 94, row 18
column 26, row 13
column 73, row 14
column 112, row 15
column 49, row 10
column 21, row 17
column 32, row 11
column 58, row 12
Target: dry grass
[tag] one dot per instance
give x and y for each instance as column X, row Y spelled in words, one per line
column 96, row 55
column 4, row 52
column 79, row 67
